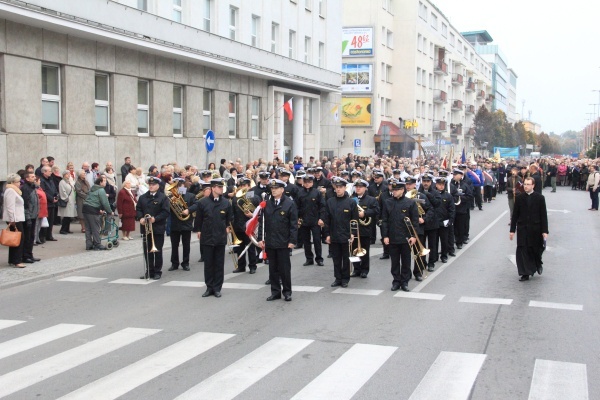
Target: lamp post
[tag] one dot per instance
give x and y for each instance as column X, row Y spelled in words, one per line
column 597, row 90
column 588, row 143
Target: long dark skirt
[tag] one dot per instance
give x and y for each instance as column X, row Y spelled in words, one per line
column 529, row 260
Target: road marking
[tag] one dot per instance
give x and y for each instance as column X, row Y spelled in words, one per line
column 559, row 306
column 249, row 286
column 560, row 211
column 193, row 284
column 558, row 380
column 7, row 323
column 306, row 288
column 450, row 377
column 130, row 281
column 485, row 300
column 39, row 338
column 364, row 292
column 420, row 296
column 348, row 374
column 375, row 251
column 42, row 370
column 126, row 379
column 433, row 275
column 85, row 279
column 239, row 376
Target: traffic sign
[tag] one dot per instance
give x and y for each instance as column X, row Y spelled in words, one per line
column 357, row 143
column 210, row 141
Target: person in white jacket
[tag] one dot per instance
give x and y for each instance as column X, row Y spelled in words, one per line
column 14, row 215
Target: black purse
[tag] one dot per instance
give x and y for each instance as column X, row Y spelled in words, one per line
column 63, row 203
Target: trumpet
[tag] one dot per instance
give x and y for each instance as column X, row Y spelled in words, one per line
column 414, row 195
column 417, row 250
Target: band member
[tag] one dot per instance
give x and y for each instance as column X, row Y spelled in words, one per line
column 340, row 210
column 240, row 217
column 155, row 204
column 182, row 230
column 454, row 193
column 376, row 186
column 311, row 209
column 461, row 221
column 397, row 235
column 514, row 186
column 263, row 184
column 385, row 194
column 299, row 183
column 206, row 191
column 280, row 227
column 426, row 215
column 431, row 222
column 291, row 191
column 369, row 214
column 212, row 225
column 530, row 221
column 445, row 215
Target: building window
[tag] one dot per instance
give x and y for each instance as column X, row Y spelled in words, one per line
column 255, row 34
column 419, row 76
column 274, row 37
column 177, row 10
column 206, row 111
column 382, row 106
column 143, row 108
column 142, row 5
column 308, row 5
column 207, row 15
column 444, row 30
column 50, row 98
column 389, row 39
column 383, row 35
column 307, row 50
column 232, row 115
column 387, row 5
column 388, row 73
column 383, row 72
column 419, row 42
column 425, row 46
column 418, row 109
column 233, row 17
column 434, row 21
column 321, row 55
column 388, row 107
column 102, row 104
column 178, row 111
column 292, row 44
column 254, row 118
column 451, row 39
column 322, row 8
column 423, row 11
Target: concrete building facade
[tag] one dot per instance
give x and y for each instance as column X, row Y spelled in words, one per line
column 99, row 80
column 423, row 71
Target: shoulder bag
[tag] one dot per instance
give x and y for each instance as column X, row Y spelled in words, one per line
column 10, row 238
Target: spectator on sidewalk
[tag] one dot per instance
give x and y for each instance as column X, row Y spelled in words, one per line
column 82, row 188
column 125, row 168
column 94, row 206
column 126, row 204
column 47, row 184
column 66, row 192
column 71, row 169
column 43, row 163
column 32, row 209
column 14, row 215
column 42, row 213
column 56, row 178
column 593, row 185
column 132, row 178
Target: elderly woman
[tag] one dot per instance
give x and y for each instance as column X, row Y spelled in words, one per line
column 68, row 208
column 71, row 169
column 142, row 186
column 14, row 215
column 132, row 178
column 126, row 208
column 95, row 205
column 82, row 188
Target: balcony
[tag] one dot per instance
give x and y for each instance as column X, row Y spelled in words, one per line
column 480, row 94
column 457, row 79
column 439, row 126
column 489, row 99
column 470, row 132
column 457, row 105
column 470, row 86
column 440, row 68
column 456, row 129
column 469, row 109
column 439, row 96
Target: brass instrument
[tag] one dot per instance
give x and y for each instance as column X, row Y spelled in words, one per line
column 414, row 195
column 356, row 254
column 243, row 202
column 458, row 202
column 176, row 202
column 232, row 243
column 235, row 241
column 363, row 222
column 417, row 250
column 200, row 195
column 150, row 231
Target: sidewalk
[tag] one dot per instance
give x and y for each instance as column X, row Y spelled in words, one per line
column 68, row 255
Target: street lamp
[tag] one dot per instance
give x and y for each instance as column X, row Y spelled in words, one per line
column 597, row 142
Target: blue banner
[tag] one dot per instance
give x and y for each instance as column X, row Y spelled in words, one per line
column 507, row 152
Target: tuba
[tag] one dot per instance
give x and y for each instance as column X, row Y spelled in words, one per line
column 414, row 195
column 243, row 202
column 176, row 201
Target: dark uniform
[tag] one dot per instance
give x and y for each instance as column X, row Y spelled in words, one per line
column 280, row 229
column 375, row 190
column 182, row 231
column 429, row 216
column 431, row 222
column 461, row 221
column 239, row 228
column 445, row 215
column 385, row 194
column 212, row 219
column 156, row 205
column 371, row 208
column 339, row 212
column 311, row 208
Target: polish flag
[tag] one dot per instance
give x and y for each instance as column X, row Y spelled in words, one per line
column 287, row 106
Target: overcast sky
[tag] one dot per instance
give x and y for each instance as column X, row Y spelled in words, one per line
column 552, row 47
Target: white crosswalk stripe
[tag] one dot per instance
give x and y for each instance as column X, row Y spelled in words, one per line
column 120, row 382
column 243, row 373
column 348, row 374
column 554, row 380
column 7, row 323
column 39, row 338
column 44, row 369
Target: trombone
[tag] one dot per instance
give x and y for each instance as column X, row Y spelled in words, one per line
column 417, row 250
column 359, row 252
column 148, row 231
column 233, row 242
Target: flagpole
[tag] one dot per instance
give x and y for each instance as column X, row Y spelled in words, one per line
column 276, row 111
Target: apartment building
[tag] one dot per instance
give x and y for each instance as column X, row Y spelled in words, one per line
column 423, row 71
column 99, row 80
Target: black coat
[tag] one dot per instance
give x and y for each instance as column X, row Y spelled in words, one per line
column 538, row 182
column 465, row 197
column 326, row 183
column 371, row 207
column 530, row 220
column 280, row 224
column 434, row 199
column 291, row 191
column 50, row 188
column 311, row 206
column 445, row 210
column 178, row 225
column 375, row 190
column 386, row 194
column 212, row 219
column 156, row 206
column 339, row 212
column 393, row 225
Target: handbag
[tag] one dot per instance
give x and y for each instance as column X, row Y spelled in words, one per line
column 44, row 223
column 10, row 238
column 63, row 203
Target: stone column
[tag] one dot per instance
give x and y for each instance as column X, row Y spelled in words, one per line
column 298, row 127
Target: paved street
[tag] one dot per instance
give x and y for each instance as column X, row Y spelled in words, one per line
column 470, row 330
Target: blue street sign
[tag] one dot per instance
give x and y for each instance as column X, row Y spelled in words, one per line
column 357, row 143
column 210, row 141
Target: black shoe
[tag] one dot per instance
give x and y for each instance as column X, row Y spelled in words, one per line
column 266, row 262
column 384, row 256
column 145, row 276
column 287, row 297
column 51, row 240
column 89, row 248
column 63, row 233
column 201, row 259
column 38, row 242
column 185, row 267
column 217, row 294
column 404, row 288
column 100, row 247
column 354, row 274
column 363, row 275
column 274, row 297
column 472, row 208
column 465, row 241
column 208, row 293
column 430, row 268
column 237, row 270
column 452, row 254
column 28, row 261
column 320, row 263
column 524, row 278
column 539, row 270
column 395, row 287
column 336, row 284
column 328, row 255
column 157, row 276
column 444, row 259
column 252, row 271
column 480, row 208
column 459, row 246
column 373, row 241
column 173, row 267
column 344, row 284
column 36, row 259
column 418, row 278
column 268, row 282
column 308, row 263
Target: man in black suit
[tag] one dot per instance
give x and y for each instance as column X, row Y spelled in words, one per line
column 530, row 220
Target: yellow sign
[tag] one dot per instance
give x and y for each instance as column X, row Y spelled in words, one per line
column 356, row 111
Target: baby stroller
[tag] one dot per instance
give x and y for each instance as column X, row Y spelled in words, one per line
column 109, row 232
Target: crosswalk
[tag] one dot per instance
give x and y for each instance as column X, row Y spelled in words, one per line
column 339, row 375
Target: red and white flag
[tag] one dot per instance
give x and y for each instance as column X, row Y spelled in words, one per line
column 287, row 106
